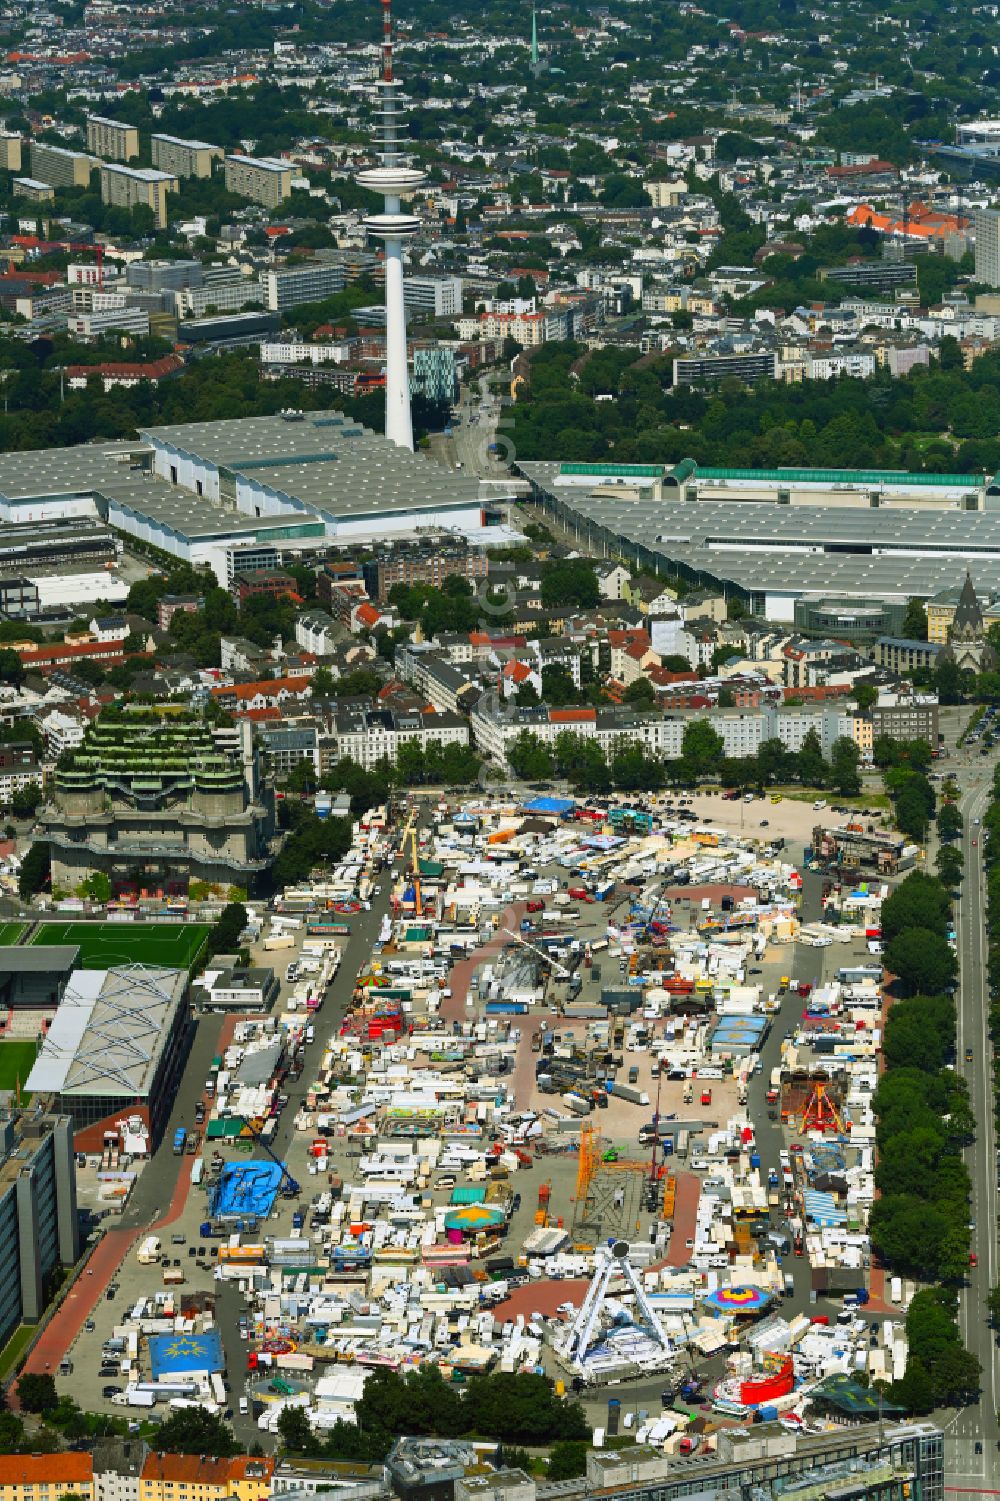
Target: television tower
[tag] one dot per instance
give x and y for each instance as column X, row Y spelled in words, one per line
column 392, row 179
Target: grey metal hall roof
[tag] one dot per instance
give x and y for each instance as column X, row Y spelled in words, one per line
column 329, row 463
column 109, row 1031
column 852, row 551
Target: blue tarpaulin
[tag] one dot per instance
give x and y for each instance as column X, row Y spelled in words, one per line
column 558, row 805
column 178, row 1354
column 248, row 1188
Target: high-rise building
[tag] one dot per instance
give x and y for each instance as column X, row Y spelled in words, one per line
column 61, row 168
column 288, row 288
column 184, row 158
column 112, row 140
column 38, row 1219
column 988, row 246
column 10, row 153
column 128, row 187
column 259, row 178
column 394, row 180
column 434, row 374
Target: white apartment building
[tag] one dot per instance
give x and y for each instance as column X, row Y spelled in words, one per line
column 316, row 631
column 90, row 325
column 439, row 295
column 298, row 352
column 368, row 737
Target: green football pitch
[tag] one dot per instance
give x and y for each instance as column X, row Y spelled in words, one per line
column 16, row 1059
column 103, row 944
column 10, row 932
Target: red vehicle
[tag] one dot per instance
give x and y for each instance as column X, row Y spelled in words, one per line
column 819, row 1318
column 706, row 1097
column 580, row 894
column 973, row 1259
column 805, row 988
column 536, row 906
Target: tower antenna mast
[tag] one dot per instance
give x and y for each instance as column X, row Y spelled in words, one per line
column 393, row 178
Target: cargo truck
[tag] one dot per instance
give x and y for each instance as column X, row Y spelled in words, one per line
column 628, row 1092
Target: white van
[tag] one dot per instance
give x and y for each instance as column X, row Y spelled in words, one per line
column 244, row 1407
column 819, row 804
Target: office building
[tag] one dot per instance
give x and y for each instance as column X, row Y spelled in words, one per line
column 155, row 800
column 440, row 296
column 130, row 187
column 184, row 158
column 434, row 374
column 60, row 168
column 873, row 276
column 261, row 179
column 38, row 1217
column 112, row 140
column 164, row 276
column 711, row 369
column 287, row 288
column 227, row 292
column 93, row 324
column 987, row 222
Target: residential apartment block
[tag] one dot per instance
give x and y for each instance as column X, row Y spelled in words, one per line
column 422, row 566
column 46, row 1477
column 60, row 168
column 33, row 190
column 10, row 153
column 127, row 187
column 368, row 736
column 112, row 140
column 174, row 1477
column 184, row 158
column 260, row 179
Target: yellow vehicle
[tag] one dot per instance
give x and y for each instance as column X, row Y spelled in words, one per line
column 784, row 982
column 776, row 797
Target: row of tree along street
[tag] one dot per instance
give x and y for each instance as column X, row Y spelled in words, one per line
column 631, row 768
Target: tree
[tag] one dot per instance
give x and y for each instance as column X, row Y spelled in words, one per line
column 922, row 960
column 11, row 668
column 918, row 902
column 296, row 1435
column 640, row 692
column 844, row 759
column 949, row 865
column 914, row 626
column 225, row 936
column 322, row 682
column 530, row 758
column 993, row 1305
column 701, row 750
column 567, row 1460
column 949, row 821
column 569, row 581
column 37, row 1393
column 35, row 870
column 865, row 695
column 192, row 1430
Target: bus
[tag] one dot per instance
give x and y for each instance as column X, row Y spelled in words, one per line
column 319, row 929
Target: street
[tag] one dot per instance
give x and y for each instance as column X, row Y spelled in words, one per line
column 977, row 1423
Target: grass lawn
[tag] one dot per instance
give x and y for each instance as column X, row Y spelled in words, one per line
column 16, row 1058
column 10, row 932
column 102, row 944
column 15, row 1348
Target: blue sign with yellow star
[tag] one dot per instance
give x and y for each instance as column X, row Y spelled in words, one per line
column 181, row 1354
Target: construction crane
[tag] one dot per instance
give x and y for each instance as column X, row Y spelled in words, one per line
column 559, row 969
column 45, row 246
column 291, row 1188
column 409, row 836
